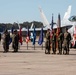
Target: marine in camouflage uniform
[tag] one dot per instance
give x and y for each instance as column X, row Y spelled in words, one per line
column 60, row 41
column 15, row 41
column 6, row 39
column 66, row 42
column 13, row 36
column 54, row 42
column 47, row 43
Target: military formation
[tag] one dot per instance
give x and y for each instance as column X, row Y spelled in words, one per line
column 58, row 42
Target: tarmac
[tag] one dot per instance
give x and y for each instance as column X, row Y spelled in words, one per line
column 36, row 62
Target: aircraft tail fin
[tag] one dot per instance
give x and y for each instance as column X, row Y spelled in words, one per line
column 32, row 25
column 18, row 24
column 43, row 17
column 67, row 13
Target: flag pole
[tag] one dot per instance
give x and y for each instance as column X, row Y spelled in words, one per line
column 40, row 41
column 34, row 37
column 34, row 46
column 27, row 46
column 58, row 27
column 27, row 36
column 42, row 46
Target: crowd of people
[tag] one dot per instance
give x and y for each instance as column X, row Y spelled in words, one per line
column 60, row 42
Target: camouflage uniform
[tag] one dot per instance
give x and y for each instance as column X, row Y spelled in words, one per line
column 54, row 43
column 15, row 41
column 47, row 43
column 13, row 36
column 60, row 41
column 6, row 40
column 67, row 38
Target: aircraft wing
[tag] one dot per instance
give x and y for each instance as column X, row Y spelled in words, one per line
column 45, row 29
column 67, row 26
column 38, row 29
column 63, row 27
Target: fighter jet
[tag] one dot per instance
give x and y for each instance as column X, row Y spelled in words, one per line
column 64, row 22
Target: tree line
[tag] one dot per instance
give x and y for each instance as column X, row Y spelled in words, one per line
column 8, row 26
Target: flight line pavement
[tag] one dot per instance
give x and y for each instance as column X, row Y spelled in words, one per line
column 36, row 62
